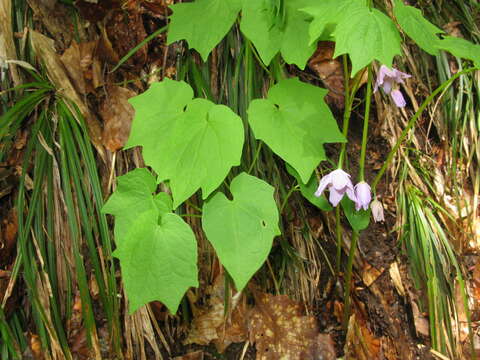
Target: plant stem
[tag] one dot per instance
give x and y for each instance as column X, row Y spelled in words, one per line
column 338, row 232
column 348, row 279
column 413, row 120
column 369, row 3
column 347, row 113
column 365, row 125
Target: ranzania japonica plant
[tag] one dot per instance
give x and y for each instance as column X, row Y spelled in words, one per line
column 191, row 144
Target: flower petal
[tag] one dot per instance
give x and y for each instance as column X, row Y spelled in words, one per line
column 335, row 196
column 340, row 179
column 324, row 182
column 398, row 98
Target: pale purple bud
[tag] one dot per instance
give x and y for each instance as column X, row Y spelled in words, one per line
column 363, row 194
column 387, row 79
column 338, row 183
column 377, row 210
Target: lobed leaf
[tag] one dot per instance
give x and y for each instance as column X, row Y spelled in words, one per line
column 294, row 121
column 461, row 48
column 191, row 143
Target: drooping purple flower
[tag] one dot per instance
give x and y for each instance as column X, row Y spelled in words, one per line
column 363, row 194
column 377, row 210
column 389, row 80
column 338, row 183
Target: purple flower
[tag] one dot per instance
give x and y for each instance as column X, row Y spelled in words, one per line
column 338, row 183
column 388, row 79
column 363, row 195
column 377, row 210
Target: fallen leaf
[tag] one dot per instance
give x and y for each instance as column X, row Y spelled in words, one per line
column 210, row 323
column 330, row 71
column 117, row 115
column 280, row 330
column 36, row 347
column 370, row 274
column 397, row 278
column 361, row 344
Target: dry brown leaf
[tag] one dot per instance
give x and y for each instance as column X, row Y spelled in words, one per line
column 210, row 323
column 422, row 325
column 36, row 347
column 117, row 114
column 397, row 278
column 7, row 46
column 361, row 344
column 330, row 71
column 45, row 50
column 280, row 330
column 370, row 274
column 83, row 67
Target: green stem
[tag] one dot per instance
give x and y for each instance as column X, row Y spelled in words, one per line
column 290, row 192
column 255, row 157
column 338, row 233
column 365, row 125
column 347, row 113
column 412, row 122
column 348, row 279
column 369, row 4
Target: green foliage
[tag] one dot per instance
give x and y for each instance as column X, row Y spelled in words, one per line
column 294, row 121
column 358, row 220
column 270, row 33
column 242, row 230
column 203, row 23
column 366, row 36
column 461, row 48
column 329, row 12
column 157, row 249
column 419, row 29
column 206, row 140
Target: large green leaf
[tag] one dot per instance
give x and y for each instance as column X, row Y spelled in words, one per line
column 423, row 32
column 329, row 12
column 157, row 249
column 242, row 230
column 134, row 196
column 203, row 23
column 271, row 34
column 191, row 143
column 294, row 122
column 308, row 190
column 358, row 220
column 461, row 48
column 365, row 36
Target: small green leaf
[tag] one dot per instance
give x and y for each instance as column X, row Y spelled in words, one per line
column 308, row 190
column 158, row 261
column 423, row 32
column 359, row 220
column 132, row 196
column 191, row 143
column 151, row 242
column 242, row 230
column 270, row 34
column 203, row 23
column 294, row 122
column 327, row 14
column 460, row 48
column 365, row 36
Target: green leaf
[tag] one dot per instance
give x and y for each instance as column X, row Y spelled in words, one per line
column 327, row 14
column 191, row 143
column 242, row 230
column 158, row 260
column 419, row 29
column 365, row 36
column 359, row 220
column 271, row 34
column 294, row 122
column 203, row 23
column 460, row 48
column 308, row 190
column 151, row 242
column 132, row 196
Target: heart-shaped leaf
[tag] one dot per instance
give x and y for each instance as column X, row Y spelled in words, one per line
column 242, row 230
column 308, row 190
column 191, row 143
column 461, row 48
column 359, row 220
column 294, row 121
